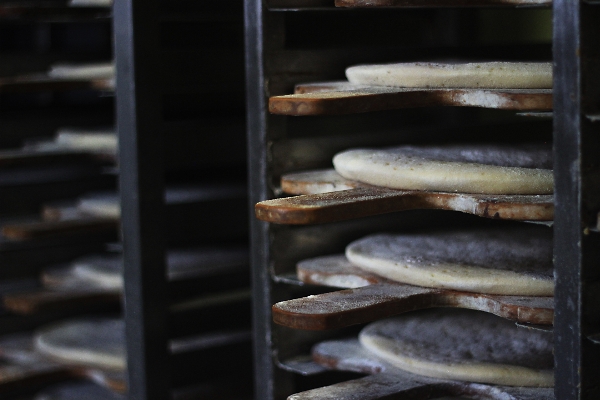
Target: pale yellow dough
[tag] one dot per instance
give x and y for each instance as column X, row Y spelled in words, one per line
column 495, row 261
column 92, row 342
column 491, row 75
column 90, row 140
column 83, row 71
column 463, row 345
column 485, row 169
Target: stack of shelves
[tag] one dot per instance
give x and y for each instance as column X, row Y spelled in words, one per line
column 43, row 177
column 181, row 124
column 168, row 252
column 290, row 43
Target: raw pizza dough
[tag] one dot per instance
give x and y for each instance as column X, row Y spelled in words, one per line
column 83, row 71
column 97, row 343
column 103, row 205
column 496, row 261
column 101, row 271
column 106, row 271
column 87, row 140
column 463, row 345
column 485, row 168
column 491, row 75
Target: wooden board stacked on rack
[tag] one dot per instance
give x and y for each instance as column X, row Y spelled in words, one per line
column 29, row 368
column 378, row 298
column 335, row 98
column 327, row 197
column 385, row 381
column 96, row 282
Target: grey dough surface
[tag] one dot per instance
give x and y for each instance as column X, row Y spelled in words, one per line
column 463, row 345
column 507, row 261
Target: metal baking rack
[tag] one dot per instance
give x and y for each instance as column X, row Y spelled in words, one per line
column 190, row 116
column 297, row 5
column 289, row 42
column 180, row 102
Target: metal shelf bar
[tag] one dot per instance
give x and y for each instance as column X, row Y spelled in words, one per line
column 139, row 123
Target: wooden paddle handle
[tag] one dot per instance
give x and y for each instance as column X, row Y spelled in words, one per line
column 60, row 229
column 369, row 303
column 368, row 201
column 18, row 377
column 48, row 301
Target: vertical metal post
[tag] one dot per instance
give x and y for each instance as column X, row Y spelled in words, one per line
column 577, row 199
column 139, row 123
column 258, row 187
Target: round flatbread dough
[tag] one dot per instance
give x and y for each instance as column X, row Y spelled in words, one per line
column 102, row 205
column 509, row 261
column 97, row 343
column 463, row 345
column 101, row 271
column 491, row 75
column 486, row 169
column 87, row 140
column 83, row 71
column 106, row 271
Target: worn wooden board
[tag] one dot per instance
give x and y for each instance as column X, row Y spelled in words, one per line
column 373, row 298
column 43, row 301
column 366, row 201
column 388, row 382
column 28, row 158
column 338, row 98
column 61, row 229
column 41, row 83
column 24, row 368
column 443, row 3
column 95, row 283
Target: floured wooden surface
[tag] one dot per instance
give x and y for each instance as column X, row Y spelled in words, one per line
column 348, row 100
column 43, row 82
column 463, row 345
column 507, row 261
column 368, row 201
column 61, row 229
column 335, row 271
column 376, row 298
column 348, row 355
column 440, row 3
column 489, row 75
column 485, row 169
column 96, row 343
column 315, row 182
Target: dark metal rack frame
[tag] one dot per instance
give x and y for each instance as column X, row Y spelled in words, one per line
column 142, row 180
column 576, row 143
column 174, row 125
column 577, row 198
